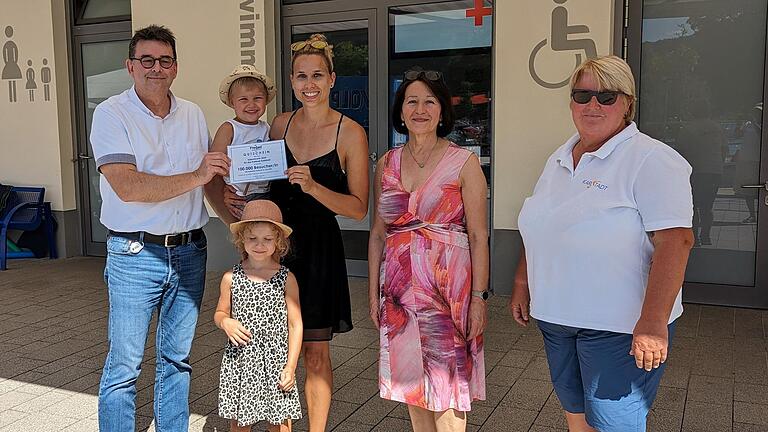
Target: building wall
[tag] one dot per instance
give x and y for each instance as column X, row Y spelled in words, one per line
column 37, row 134
column 36, row 141
column 530, row 121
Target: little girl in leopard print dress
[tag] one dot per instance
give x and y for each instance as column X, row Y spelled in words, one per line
column 259, row 311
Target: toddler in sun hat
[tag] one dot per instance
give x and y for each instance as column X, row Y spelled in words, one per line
column 247, row 91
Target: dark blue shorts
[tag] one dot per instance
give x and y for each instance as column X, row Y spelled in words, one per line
column 593, row 373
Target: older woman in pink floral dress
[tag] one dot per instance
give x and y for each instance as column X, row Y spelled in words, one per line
column 428, row 262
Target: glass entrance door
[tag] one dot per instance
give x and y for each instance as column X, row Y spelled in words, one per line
column 702, row 88
column 99, row 73
column 352, row 35
column 373, row 46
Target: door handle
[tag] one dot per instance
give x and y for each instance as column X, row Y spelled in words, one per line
column 81, row 157
column 374, row 157
column 756, row 186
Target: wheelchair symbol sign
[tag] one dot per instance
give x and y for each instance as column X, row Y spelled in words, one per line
column 558, row 41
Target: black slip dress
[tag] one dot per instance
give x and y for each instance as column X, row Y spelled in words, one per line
column 317, row 250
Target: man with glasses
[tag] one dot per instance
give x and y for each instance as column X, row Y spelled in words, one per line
column 152, row 151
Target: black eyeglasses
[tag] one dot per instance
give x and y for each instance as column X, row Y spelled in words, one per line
column 603, row 98
column 415, row 74
column 149, row 62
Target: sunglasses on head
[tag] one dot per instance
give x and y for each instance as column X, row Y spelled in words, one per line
column 415, row 74
column 605, row 97
column 317, row 44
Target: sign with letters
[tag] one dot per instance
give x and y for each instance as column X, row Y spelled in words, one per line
column 258, row 161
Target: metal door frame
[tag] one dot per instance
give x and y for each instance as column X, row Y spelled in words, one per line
column 82, row 35
column 379, row 57
column 717, row 294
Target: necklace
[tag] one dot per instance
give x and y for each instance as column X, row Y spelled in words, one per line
column 422, row 164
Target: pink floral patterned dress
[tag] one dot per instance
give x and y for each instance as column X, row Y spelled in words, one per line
column 425, row 283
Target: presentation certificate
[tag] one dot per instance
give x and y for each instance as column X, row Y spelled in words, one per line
column 258, row 161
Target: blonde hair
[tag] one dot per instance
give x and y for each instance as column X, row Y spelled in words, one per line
column 282, row 245
column 325, row 52
column 248, row 82
column 613, row 74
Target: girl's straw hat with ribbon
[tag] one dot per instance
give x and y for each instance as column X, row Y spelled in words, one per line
column 261, row 211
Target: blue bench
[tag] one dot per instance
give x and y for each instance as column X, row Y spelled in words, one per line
column 25, row 210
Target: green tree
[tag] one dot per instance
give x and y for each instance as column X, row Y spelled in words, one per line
column 350, row 59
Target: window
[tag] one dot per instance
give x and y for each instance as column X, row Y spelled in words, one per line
column 99, row 11
column 701, row 92
column 455, row 39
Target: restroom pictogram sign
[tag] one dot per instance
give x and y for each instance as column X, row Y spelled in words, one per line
column 23, row 75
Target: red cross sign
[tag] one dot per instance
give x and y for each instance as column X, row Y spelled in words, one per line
column 478, row 12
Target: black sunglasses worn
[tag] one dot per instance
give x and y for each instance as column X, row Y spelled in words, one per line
column 603, row 98
column 415, row 74
column 148, row 62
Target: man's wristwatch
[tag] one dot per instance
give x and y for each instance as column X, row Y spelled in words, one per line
column 481, row 294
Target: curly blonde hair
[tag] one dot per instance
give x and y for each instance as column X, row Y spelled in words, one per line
column 306, row 48
column 282, row 244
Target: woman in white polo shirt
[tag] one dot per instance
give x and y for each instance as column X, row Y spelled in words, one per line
column 606, row 238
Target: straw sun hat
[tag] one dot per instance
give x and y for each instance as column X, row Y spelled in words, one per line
column 245, row 71
column 261, row 211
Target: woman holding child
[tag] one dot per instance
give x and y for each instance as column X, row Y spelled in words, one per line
column 327, row 173
column 327, row 176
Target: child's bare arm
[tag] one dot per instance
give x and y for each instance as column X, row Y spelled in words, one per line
column 235, row 331
column 224, row 306
column 295, row 332
column 295, row 325
column 214, row 190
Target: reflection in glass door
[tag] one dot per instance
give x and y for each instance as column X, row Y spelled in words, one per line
column 352, row 37
column 101, row 73
column 702, row 86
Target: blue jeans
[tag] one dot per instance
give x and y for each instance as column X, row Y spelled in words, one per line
column 154, row 278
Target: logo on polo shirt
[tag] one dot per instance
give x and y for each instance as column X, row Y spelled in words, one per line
column 597, row 184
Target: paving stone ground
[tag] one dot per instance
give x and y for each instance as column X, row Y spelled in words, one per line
column 53, row 320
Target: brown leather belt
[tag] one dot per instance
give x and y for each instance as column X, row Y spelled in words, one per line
column 167, row 240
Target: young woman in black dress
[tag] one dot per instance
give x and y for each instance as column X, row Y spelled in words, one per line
column 327, row 176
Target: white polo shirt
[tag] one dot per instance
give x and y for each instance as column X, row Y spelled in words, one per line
column 124, row 130
column 585, row 231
